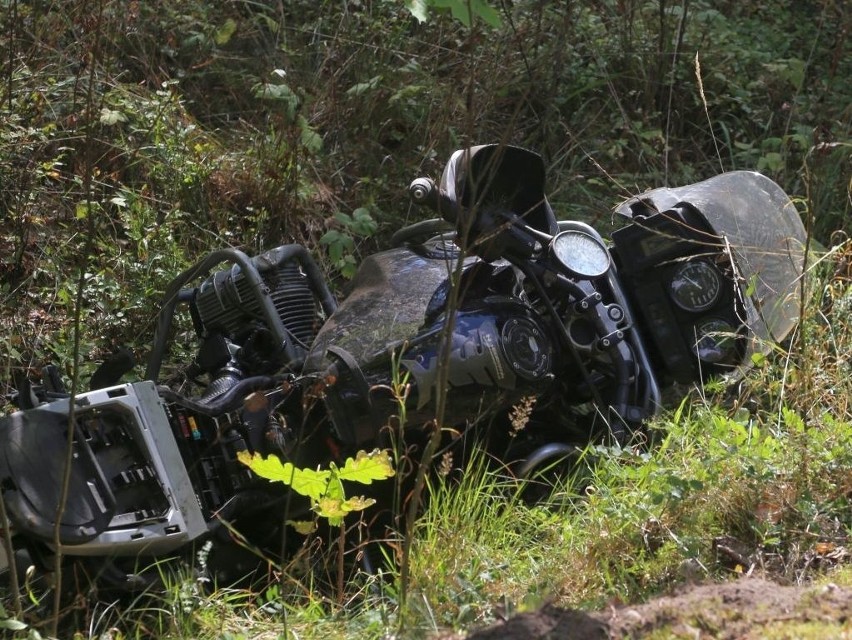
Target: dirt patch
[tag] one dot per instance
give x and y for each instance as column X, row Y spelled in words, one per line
column 746, row 608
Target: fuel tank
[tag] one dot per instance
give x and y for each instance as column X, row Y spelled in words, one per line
column 395, row 318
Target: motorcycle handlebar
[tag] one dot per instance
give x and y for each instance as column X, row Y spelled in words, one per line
column 424, row 192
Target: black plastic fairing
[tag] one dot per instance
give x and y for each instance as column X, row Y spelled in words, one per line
column 741, row 224
column 759, row 226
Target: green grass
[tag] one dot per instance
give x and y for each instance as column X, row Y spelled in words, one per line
column 649, row 519
column 643, row 520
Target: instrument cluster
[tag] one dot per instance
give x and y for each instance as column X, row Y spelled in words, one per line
column 697, row 286
column 684, row 286
column 580, row 255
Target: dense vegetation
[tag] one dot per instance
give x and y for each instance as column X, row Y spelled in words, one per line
column 135, row 136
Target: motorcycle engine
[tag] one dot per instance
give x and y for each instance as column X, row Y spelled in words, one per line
column 231, row 306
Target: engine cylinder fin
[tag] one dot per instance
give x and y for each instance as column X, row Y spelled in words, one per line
column 226, row 301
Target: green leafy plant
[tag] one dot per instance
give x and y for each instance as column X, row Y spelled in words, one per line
column 462, row 10
column 340, row 243
column 9, row 622
column 324, row 487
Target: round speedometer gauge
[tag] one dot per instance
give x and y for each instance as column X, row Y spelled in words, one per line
column 715, row 341
column 580, row 254
column 696, row 286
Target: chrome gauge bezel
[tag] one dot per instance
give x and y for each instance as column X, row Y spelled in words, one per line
column 580, row 254
column 695, row 286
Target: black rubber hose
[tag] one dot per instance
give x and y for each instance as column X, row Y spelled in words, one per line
column 229, row 401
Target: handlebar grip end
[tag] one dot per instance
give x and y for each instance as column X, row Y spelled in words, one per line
column 422, row 191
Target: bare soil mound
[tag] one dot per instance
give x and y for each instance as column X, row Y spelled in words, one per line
column 747, row 608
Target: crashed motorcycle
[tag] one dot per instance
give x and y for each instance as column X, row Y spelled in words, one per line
column 491, row 305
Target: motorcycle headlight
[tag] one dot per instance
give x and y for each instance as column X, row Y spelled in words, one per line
column 580, row 254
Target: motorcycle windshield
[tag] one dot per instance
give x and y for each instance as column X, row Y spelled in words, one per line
column 763, row 233
column 491, row 173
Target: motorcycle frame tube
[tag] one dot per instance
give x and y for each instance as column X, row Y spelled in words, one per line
column 175, row 294
column 653, row 400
